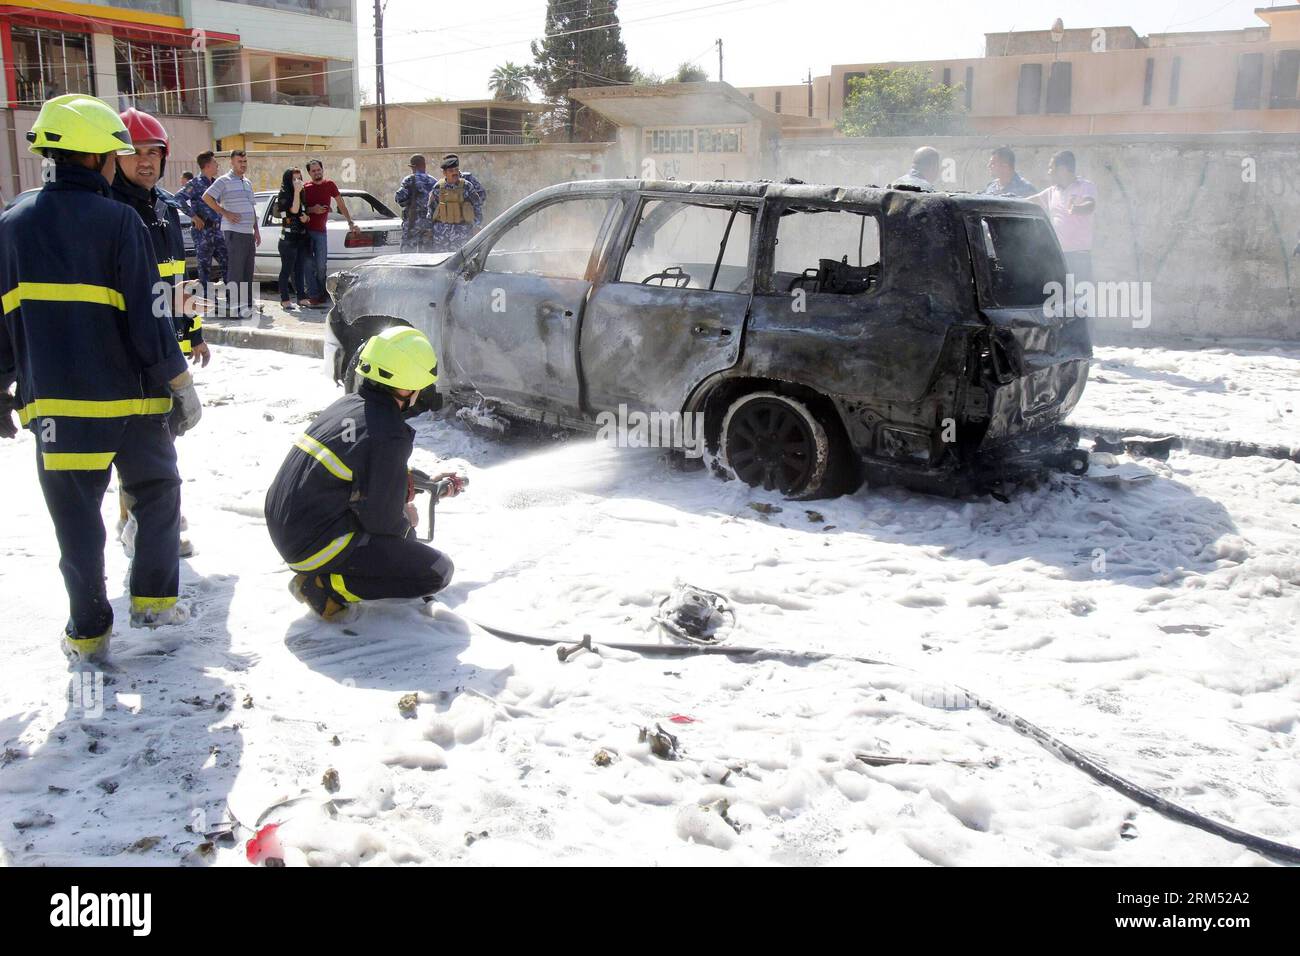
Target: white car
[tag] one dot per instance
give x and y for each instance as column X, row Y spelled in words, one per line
column 380, row 233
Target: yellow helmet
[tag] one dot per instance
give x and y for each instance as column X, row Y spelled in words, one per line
column 399, row 357
column 79, row 123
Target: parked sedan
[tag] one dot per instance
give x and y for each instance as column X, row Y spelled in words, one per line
column 821, row 334
column 380, row 232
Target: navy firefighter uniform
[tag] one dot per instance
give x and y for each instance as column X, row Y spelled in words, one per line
column 93, row 363
column 101, row 382
column 336, row 510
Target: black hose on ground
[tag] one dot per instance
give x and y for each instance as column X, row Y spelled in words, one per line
column 1138, row 794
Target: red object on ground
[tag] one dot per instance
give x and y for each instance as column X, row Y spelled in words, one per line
column 681, row 719
column 265, row 845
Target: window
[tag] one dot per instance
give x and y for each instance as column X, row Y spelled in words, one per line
column 1286, row 79
column 554, row 241
column 718, row 140
column 159, row 79
column 1175, row 73
column 1250, row 81
column 818, row 249
column 682, row 245
column 777, row 101
column 670, row 141
column 1148, row 81
column 333, row 9
column 227, row 82
column 364, row 208
column 1029, row 93
column 1058, row 87
column 947, row 76
column 363, row 131
column 48, row 63
column 970, row 87
column 1021, row 258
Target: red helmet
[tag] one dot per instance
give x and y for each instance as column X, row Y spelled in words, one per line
column 145, row 130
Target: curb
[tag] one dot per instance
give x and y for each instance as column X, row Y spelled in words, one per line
column 294, row 343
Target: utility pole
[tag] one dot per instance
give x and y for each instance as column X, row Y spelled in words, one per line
column 719, row 60
column 810, row 91
column 381, row 113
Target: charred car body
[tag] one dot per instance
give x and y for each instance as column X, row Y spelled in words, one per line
column 826, row 334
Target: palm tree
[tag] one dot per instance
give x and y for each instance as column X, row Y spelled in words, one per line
column 509, row 82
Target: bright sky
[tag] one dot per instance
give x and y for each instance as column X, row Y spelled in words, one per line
column 442, row 49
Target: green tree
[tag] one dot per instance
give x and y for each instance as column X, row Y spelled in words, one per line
column 583, row 46
column 901, row 102
column 509, row 81
column 690, row 73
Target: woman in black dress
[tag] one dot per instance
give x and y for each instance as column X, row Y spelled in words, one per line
column 295, row 244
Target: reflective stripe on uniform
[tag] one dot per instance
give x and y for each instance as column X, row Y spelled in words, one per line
column 327, row 553
column 60, row 292
column 152, row 603
column 76, row 461
column 187, row 348
column 336, row 582
column 171, row 267
column 85, row 408
column 332, row 462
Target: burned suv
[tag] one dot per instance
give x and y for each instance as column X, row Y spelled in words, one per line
column 825, row 334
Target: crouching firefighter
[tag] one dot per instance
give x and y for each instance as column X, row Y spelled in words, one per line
column 338, row 510
column 97, row 369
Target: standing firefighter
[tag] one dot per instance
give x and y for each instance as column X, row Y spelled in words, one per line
column 413, row 196
column 455, row 206
column 338, row 510
column 97, row 368
column 205, row 225
column 136, row 185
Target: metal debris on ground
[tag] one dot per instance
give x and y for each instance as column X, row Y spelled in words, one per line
column 407, row 704
column 694, row 614
column 564, row 653
column 662, row 744
column 330, row 780
column 603, row 758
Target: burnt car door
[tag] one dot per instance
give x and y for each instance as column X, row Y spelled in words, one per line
column 510, row 332
column 1041, row 345
column 671, row 307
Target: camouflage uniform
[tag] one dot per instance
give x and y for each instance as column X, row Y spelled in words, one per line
column 413, row 197
column 208, row 241
column 448, row 237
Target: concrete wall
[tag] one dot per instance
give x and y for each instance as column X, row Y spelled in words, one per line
column 1178, row 212
column 508, row 172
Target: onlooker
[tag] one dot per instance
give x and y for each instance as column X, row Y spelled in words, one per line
column 317, row 194
column 231, row 196
column 1071, row 202
column 455, row 206
column 926, row 165
column 209, row 243
column 187, row 177
column 413, row 196
column 295, row 243
column 1006, row 181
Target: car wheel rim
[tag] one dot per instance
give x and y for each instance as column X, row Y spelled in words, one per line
column 771, row 446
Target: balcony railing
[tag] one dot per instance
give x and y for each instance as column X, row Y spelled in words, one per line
column 497, row 139
column 168, row 7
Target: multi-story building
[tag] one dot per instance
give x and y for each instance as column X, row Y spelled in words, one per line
column 1097, row 80
column 258, row 74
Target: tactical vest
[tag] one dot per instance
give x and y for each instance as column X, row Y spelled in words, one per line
column 453, row 207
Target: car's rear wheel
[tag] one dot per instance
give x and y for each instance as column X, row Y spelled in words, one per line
column 776, row 442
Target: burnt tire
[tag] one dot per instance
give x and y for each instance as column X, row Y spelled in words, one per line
column 778, row 443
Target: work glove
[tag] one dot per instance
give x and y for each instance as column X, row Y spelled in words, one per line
column 186, row 408
column 7, row 427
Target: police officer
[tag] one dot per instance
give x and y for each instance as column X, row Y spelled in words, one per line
column 413, row 196
column 98, row 370
column 338, row 510
column 455, row 206
column 136, row 184
column 205, row 227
